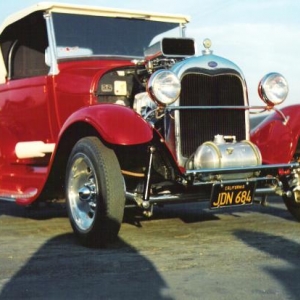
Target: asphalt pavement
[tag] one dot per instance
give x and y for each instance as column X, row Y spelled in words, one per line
column 183, row 252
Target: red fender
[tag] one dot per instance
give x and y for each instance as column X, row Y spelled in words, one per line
column 278, row 141
column 115, row 123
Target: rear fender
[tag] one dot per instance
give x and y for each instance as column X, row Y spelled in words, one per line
column 116, row 124
column 276, row 140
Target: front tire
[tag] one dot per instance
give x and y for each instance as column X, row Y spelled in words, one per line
column 292, row 205
column 95, row 193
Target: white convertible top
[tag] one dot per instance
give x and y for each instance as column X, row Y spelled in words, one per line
column 85, row 10
column 93, row 10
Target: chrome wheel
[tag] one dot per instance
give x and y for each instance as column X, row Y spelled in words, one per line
column 95, row 195
column 82, row 192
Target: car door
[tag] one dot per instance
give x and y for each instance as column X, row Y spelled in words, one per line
column 24, row 108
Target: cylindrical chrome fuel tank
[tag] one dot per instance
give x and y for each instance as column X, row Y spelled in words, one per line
column 222, row 154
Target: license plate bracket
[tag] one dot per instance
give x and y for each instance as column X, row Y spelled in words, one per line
column 232, row 194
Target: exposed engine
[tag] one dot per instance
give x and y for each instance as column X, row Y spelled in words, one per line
column 216, row 149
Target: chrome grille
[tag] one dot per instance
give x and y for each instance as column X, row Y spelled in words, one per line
column 198, row 126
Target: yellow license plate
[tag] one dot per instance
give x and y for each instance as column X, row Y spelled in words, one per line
column 233, row 194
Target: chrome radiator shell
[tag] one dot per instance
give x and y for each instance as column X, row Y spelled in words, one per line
column 223, row 84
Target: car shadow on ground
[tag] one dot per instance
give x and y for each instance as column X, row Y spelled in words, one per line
column 43, row 211
column 287, row 271
column 187, row 213
column 199, row 212
column 62, row 269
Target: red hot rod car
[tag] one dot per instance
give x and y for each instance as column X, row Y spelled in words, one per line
column 107, row 108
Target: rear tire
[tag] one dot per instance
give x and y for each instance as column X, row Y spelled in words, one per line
column 95, row 193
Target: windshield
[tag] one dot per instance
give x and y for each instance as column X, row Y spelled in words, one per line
column 85, row 35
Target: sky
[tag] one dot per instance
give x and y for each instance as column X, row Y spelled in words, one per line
column 260, row 36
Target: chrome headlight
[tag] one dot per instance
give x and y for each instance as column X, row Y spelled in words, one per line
column 273, row 89
column 164, row 87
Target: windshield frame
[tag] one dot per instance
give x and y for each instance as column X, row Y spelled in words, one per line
column 136, row 26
